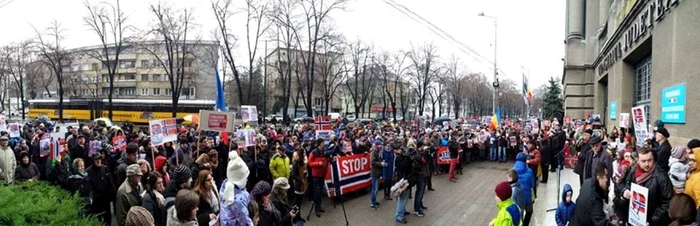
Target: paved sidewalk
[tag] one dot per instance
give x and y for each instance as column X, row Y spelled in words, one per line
column 547, row 198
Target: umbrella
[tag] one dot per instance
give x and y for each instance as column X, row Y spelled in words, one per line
column 194, row 118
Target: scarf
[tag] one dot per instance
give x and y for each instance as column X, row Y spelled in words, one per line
column 641, row 176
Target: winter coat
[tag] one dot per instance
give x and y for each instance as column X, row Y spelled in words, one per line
column 279, row 166
column 318, row 164
column 692, row 185
column 121, row 169
column 297, row 177
column 583, row 152
column 565, row 209
column 58, row 172
column 508, row 214
column 375, row 164
column 589, row 205
column 679, row 170
column 234, row 213
column 404, row 168
column 127, row 196
column 8, row 164
column 525, row 177
column 173, row 221
column 592, row 159
column 27, row 171
column 388, row 158
column 663, row 155
column 518, row 194
column 150, row 203
column 80, row 152
column 204, row 210
column 102, row 184
column 160, row 163
column 659, row 196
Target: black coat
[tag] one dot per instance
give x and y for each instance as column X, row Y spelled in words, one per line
column 589, row 205
column 663, row 155
column 581, row 162
column 26, row 172
column 102, row 184
column 159, row 213
column 203, row 211
column 659, row 196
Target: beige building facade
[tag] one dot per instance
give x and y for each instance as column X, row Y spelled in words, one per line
column 622, row 54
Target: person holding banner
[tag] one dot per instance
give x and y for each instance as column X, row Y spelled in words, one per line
column 648, row 175
column 318, row 164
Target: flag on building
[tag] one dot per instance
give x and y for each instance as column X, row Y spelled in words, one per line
column 220, row 97
column 527, row 95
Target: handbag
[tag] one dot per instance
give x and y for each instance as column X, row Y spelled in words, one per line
column 399, row 187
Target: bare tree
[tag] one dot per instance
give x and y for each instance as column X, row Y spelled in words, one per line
column 255, row 16
column 174, row 49
column 392, row 67
column 17, row 58
column 38, row 77
column 5, row 61
column 359, row 83
column 54, row 55
column 455, row 84
column 423, row 60
column 479, row 91
column 223, row 12
column 332, row 69
column 316, row 16
column 286, row 24
column 108, row 23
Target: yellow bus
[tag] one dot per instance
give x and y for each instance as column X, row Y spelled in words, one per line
column 123, row 110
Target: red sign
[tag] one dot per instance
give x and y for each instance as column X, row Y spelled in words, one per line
column 217, row 121
column 443, row 154
column 322, row 123
column 379, row 109
column 119, row 143
column 347, row 174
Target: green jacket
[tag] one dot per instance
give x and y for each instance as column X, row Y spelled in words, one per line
column 279, row 166
column 508, row 213
column 376, row 163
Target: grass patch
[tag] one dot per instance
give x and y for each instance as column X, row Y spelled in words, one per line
column 40, row 203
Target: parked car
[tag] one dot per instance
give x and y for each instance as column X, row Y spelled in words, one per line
column 364, row 121
column 351, row 118
column 304, row 119
column 278, row 118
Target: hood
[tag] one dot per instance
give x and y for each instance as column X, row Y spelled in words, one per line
column 567, row 188
column 672, row 160
column 521, row 157
column 520, row 167
column 160, row 162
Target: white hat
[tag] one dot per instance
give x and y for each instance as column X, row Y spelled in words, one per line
column 237, row 171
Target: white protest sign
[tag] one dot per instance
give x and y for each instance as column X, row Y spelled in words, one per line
column 639, row 205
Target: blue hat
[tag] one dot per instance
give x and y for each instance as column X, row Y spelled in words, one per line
column 522, row 157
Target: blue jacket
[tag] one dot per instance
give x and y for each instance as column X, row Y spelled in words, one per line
column 525, row 176
column 388, row 157
column 565, row 210
column 518, row 194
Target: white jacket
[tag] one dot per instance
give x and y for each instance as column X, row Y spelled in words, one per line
column 679, row 170
column 8, row 163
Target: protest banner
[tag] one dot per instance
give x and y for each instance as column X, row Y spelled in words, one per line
column 216, row 121
column 443, row 154
column 249, row 113
column 322, row 123
column 119, row 143
column 13, row 129
column 94, row 146
column 639, row 119
column 324, row 134
column 624, row 120
column 249, row 137
column 639, row 205
column 347, row 174
column 162, row 131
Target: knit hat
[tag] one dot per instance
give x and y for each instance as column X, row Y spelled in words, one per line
column 503, row 190
column 678, row 151
column 181, row 174
column 237, row 171
column 694, row 143
column 133, row 169
column 138, row 216
column 281, row 182
column 262, row 188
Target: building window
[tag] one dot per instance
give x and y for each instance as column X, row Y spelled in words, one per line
column 145, row 64
column 95, row 66
column 318, row 101
column 156, row 91
column 642, row 84
column 168, row 92
column 144, row 92
column 156, row 77
column 187, row 92
column 127, row 64
column 128, row 91
column 129, row 77
column 144, row 77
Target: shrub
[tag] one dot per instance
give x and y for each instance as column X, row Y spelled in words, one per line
column 40, row 203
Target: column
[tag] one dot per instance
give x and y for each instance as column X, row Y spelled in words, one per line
column 576, row 19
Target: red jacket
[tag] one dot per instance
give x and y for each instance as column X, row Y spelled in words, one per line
column 537, row 157
column 318, row 164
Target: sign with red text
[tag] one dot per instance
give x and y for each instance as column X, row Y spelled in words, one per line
column 119, row 143
column 347, row 174
column 216, row 121
column 443, row 156
column 162, row 131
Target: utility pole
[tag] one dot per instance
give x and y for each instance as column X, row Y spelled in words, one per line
column 265, row 82
column 495, row 58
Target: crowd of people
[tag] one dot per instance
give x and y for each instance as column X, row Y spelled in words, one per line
column 208, row 178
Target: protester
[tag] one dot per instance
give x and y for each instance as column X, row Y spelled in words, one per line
column 508, row 212
column 297, row 177
column 527, row 179
column 270, row 215
column 375, row 173
column 26, row 171
column 584, row 146
column 566, row 207
column 661, row 136
column 387, row 158
column 518, row 194
column 186, row 203
column 682, row 210
column 129, row 193
column 138, row 216
column 422, row 171
column 318, row 164
column 592, row 198
column 161, row 166
column 208, row 198
column 595, row 156
column 678, row 174
column 234, row 197
column 153, row 200
column 404, row 170
column 8, row 162
column 279, row 164
column 129, row 158
column 289, row 215
column 648, row 175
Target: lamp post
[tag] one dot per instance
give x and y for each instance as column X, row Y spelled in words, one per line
column 495, row 58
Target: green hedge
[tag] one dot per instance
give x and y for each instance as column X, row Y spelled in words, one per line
column 40, row 203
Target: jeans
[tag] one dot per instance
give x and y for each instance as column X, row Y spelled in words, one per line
column 318, row 192
column 373, row 193
column 401, row 204
column 418, row 199
column 502, row 154
column 493, row 153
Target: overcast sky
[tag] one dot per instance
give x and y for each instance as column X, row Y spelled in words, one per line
column 530, row 33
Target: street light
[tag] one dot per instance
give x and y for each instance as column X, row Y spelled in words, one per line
column 495, row 58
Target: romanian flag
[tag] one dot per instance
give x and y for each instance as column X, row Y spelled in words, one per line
column 495, row 119
column 527, row 95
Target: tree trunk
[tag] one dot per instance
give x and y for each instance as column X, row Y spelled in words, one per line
column 60, row 100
